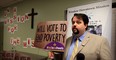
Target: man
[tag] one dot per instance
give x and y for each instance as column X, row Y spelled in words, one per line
column 90, row 46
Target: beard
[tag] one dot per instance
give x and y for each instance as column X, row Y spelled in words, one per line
column 75, row 31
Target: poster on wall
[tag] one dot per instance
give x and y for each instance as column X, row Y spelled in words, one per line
column 51, row 35
column 99, row 18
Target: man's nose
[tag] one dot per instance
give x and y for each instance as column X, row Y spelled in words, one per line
column 75, row 24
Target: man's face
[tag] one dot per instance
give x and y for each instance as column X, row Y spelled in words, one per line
column 78, row 26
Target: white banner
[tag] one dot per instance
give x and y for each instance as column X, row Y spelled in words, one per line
column 99, row 18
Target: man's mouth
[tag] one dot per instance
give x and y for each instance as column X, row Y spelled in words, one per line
column 75, row 31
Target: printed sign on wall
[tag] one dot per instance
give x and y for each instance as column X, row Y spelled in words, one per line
column 51, row 35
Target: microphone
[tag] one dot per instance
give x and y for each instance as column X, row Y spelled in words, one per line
column 80, row 56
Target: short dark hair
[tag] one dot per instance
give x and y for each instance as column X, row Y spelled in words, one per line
column 82, row 16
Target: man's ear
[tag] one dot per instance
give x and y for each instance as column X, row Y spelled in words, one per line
column 86, row 25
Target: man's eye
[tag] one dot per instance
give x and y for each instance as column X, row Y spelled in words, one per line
column 73, row 22
column 78, row 22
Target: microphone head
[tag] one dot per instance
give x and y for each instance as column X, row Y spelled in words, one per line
column 80, row 56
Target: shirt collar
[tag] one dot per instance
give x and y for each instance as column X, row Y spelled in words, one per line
column 82, row 36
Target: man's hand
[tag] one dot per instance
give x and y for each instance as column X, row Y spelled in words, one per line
column 51, row 55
